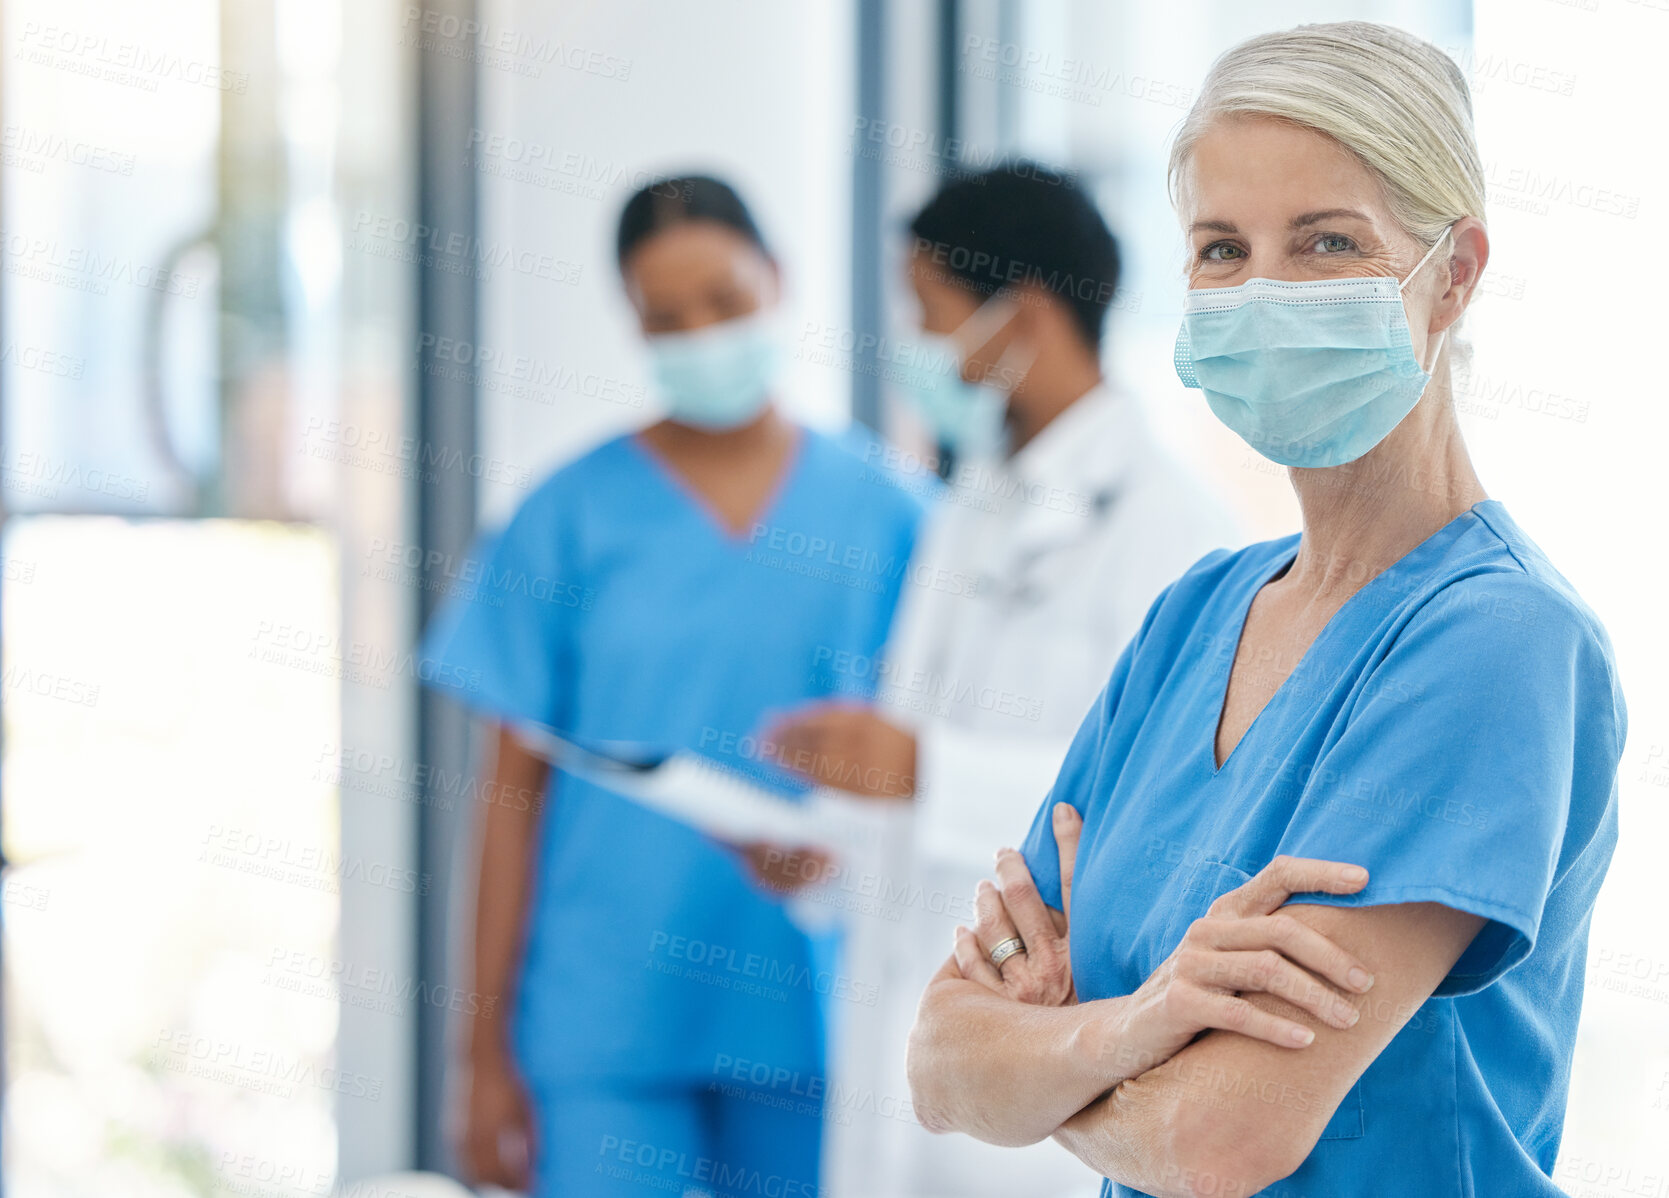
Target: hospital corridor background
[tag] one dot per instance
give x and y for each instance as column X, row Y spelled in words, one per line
column 326, row 328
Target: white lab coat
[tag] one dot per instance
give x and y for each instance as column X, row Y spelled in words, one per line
column 1063, row 547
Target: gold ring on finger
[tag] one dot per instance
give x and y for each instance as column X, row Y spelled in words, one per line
column 1007, row 949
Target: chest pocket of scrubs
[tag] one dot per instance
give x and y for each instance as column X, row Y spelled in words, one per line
column 1205, row 884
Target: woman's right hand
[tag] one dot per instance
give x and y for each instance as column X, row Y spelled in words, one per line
column 497, row 1143
column 1243, row 944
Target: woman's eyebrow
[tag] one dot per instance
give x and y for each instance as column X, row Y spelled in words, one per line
column 1313, row 218
column 1297, row 222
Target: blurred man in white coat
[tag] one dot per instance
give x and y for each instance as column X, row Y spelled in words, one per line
column 1062, row 522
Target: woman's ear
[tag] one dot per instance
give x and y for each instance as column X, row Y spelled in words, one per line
column 1466, row 266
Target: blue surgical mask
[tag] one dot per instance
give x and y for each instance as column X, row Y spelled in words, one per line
column 966, row 418
column 1309, row 374
column 718, row 376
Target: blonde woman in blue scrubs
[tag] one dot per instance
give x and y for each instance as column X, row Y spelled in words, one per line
column 1306, row 911
column 660, row 1020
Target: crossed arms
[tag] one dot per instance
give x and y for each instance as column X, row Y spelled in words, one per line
column 1130, row 1085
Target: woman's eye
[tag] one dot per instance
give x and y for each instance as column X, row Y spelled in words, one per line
column 1334, row 243
column 1222, row 251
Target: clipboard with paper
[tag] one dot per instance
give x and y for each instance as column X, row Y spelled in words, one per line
column 706, row 795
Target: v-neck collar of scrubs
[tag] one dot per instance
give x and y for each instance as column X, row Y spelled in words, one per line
column 702, row 508
column 1346, row 610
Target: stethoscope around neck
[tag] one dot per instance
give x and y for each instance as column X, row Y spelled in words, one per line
column 1021, row 589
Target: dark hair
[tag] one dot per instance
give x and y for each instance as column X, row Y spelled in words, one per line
column 664, row 203
column 1021, row 223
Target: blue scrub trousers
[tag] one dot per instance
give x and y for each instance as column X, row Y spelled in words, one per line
column 627, row 1141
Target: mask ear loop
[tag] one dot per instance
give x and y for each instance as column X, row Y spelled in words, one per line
column 1402, row 285
column 1436, row 354
column 1441, row 237
column 984, row 323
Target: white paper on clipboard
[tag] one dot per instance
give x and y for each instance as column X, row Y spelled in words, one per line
column 703, row 794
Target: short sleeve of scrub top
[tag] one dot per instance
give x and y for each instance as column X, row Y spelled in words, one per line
column 502, row 642
column 1474, row 720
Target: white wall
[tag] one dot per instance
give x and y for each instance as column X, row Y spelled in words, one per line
column 1567, row 418
column 759, row 93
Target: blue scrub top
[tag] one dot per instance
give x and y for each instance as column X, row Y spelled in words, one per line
column 616, row 607
column 1455, row 728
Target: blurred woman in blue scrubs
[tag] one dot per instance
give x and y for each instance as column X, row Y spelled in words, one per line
column 1403, row 715
column 665, row 1027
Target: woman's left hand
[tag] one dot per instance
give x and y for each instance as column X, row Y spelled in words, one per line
column 1041, row 973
